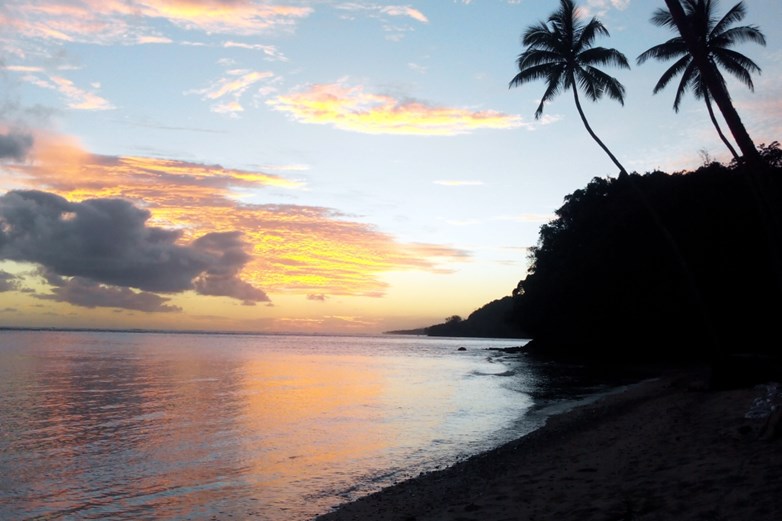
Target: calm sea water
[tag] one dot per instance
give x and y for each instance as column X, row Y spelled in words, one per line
column 136, row 426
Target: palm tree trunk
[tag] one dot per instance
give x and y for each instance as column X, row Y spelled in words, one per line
column 717, row 126
column 591, row 133
column 713, row 82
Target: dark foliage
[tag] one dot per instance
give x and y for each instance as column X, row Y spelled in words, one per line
column 494, row 320
column 660, row 266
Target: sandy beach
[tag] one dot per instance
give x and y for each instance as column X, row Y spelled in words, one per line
column 665, row 449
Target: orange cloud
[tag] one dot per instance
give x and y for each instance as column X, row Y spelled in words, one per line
column 351, row 108
column 219, row 16
column 294, row 248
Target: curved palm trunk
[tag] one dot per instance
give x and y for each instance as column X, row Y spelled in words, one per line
column 715, row 86
column 717, row 126
column 591, row 133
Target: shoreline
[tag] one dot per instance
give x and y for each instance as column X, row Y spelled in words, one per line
column 666, row 448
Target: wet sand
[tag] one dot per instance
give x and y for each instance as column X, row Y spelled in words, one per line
column 666, row 449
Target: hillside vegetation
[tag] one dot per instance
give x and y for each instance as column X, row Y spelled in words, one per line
column 659, row 265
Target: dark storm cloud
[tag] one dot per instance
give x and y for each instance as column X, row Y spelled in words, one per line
column 107, row 241
column 222, row 278
column 90, row 294
column 15, row 145
column 8, row 282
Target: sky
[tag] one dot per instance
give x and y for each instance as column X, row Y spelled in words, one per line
column 309, row 166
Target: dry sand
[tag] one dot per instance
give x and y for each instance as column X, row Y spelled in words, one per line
column 661, row 450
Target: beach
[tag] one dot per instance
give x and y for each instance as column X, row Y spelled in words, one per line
column 670, row 448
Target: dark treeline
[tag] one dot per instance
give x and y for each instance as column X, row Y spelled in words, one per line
column 493, row 320
column 657, row 266
column 654, row 267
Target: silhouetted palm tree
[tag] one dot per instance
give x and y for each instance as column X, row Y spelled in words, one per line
column 560, row 52
column 703, row 45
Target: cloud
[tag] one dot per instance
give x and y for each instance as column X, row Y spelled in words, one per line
column 386, row 14
column 318, row 298
column 15, row 145
column 77, row 98
column 351, row 108
column 222, row 278
column 291, row 248
column 233, row 86
column 152, row 39
column 236, row 83
column 131, row 21
column 400, row 10
column 8, row 282
column 601, row 7
column 378, row 11
column 108, row 242
column 271, row 51
column 62, row 166
column 88, row 293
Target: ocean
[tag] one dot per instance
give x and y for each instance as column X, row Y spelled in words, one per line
column 127, row 425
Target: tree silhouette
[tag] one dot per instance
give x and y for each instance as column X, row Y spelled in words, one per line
column 702, row 46
column 560, row 52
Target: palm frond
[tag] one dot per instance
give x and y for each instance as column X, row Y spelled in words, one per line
column 603, row 56
column 745, row 33
column 530, row 74
column 589, row 32
column 538, row 36
column 684, row 85
column 565, row 20
column 673, row 48
column 734, row 15
column 663, row 18
column 738, row 65
column 554, row 87
column 533, row 58
column 587, row 84
column 674, row 70
column 607, row 84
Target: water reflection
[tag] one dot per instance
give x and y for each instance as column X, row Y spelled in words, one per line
column 124, row 426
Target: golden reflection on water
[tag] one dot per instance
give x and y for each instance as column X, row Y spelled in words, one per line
column 179, row 427
column 321, row 408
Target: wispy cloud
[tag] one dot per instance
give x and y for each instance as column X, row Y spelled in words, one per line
column 271, row 52
column 352, row 108
column 77, row 98
column 233, row 86
column 378, row 11
column 601, row 7
column 405, row 10
column 129, row 21
column 388, row 15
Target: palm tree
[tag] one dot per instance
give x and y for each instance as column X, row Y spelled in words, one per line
column 704, row 43
column 560, row 51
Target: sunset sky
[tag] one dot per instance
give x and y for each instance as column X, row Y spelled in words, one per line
column 308, row 166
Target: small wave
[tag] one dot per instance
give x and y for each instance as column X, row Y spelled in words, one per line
column 504, row 373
